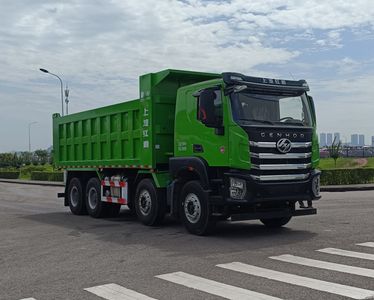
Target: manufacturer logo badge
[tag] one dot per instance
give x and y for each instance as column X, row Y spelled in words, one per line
column 284, row 145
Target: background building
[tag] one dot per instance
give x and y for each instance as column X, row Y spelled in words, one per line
column 322, row 139
column 372, row 141
column 361, row 140
column 354, row 139
column 337, row 137
column 329, row 139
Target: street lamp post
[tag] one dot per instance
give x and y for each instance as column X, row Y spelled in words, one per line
column 62, row 93
column 30, row 134
column 67, row 99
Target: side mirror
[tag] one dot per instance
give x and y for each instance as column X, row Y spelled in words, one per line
column 206, row 111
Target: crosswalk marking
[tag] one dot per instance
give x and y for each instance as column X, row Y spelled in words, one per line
column 368, row 244
column 324, row 265
column 320, row 285
column 114, row 291
column 347, row 253
column 214, row 287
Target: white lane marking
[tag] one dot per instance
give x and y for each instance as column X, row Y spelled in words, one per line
column 320, row 285
column 347, row 253
column 324, row 265
column 28, row 299
column 367, row 244
column 214, row 287
column 114, row 291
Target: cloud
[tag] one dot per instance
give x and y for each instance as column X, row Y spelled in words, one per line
column 100, row 48
column 333, row 39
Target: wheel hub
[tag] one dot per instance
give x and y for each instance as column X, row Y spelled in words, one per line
column 192, row 208
column 92, row 198
column 74, row 196
column 145, row 202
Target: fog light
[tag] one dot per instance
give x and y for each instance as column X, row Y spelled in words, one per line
column 237, row 188
column 316, row 187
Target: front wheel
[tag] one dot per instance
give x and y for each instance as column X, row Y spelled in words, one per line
column 150, row 203
column 275, row 222
column 195, row 210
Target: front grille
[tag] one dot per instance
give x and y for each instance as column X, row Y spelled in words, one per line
column 269, row 164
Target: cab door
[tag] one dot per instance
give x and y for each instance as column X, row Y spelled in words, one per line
column 201, row 128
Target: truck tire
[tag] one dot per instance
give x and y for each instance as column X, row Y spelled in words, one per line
column 150, row 204
column 131, row 208
column 95, row 207
column 195, row 209
column 130, row 201
column 76, row 195
column 276, row 222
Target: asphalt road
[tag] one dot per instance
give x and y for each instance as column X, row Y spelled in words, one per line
column 48, row 253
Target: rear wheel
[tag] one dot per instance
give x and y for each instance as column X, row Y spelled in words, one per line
column 150, row 204
column 76, row 197
column 130, row 202
column 195, row 210
column 275, row 222
column 95, row 207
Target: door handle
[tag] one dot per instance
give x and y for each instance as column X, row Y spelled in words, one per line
column 197, row 148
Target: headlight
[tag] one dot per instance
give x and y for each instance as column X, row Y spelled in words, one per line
column 316, row 186
column 237, row 188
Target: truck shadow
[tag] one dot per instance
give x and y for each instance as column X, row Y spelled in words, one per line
column 171, row 237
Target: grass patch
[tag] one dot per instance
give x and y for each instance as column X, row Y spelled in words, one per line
column 370, row 163
column 341, row 163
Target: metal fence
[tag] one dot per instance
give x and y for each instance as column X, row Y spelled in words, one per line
column 350, row 152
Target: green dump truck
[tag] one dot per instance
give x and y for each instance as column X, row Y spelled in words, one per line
column 201, row 147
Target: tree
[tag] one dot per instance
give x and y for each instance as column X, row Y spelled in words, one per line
column 334, row 150
column 24, row 158
column 7, row 160
column 41, row 156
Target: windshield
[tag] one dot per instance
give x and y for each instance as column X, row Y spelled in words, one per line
column 278, row 110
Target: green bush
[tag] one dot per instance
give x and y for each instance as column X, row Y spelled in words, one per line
column 9, row 174
column 28, row 169
column 47, row 176
column 347, row 176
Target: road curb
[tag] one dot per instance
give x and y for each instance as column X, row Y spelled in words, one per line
column 326, row 188
column 32, row 182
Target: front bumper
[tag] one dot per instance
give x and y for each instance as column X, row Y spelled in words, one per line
column 259, row 192
column 284, row 213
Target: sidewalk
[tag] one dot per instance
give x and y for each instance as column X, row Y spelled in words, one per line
column 326, row 188
column 33, row 182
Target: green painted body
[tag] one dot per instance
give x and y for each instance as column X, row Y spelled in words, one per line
column 137, row 133
column 144, row 133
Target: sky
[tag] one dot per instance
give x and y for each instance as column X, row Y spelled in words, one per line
column 99, row 48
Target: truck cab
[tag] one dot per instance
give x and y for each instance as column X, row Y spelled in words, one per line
column 250, row 145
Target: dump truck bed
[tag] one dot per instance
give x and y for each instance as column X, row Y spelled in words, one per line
column 107, row 136
column 137, row 133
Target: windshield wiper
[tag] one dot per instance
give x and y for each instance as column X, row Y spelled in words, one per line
column 294, row 122
column 257, row 120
